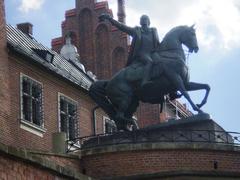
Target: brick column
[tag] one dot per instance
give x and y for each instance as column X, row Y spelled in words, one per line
column 4, row 69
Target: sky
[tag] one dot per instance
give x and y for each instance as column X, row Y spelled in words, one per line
column 217, row 27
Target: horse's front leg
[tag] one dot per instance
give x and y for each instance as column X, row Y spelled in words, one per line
column 179, row 85
column 192, row 86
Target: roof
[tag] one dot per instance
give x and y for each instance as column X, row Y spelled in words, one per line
column 28, row 46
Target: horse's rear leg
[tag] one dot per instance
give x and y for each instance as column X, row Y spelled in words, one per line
column 192, row 86
column 122, row 103
column 98, row 93
column 131, row 110
column 121, row 95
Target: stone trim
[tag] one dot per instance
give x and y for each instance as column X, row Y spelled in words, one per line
column 45, row 153
column 178, row 174
column 158, row 146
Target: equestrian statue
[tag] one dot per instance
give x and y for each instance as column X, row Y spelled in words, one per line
column 153, row 70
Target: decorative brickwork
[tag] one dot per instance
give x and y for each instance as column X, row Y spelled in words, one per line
column 95, row 41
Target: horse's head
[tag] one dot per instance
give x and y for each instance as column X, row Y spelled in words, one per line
column 180, row 35
column 189, row 39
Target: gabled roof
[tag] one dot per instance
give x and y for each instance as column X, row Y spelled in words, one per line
column 28, row 46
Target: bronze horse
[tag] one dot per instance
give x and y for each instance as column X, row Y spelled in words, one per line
column 119, row 96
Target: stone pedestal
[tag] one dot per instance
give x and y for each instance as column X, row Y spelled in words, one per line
column 198, row 128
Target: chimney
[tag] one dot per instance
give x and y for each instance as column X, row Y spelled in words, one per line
column 26, row 28
column 121, row 11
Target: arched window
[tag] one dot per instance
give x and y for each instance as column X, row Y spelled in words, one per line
column 86, row 39
column 103, row 63
column 118, row 59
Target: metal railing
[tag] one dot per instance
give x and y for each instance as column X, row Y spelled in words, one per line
column 170, row 136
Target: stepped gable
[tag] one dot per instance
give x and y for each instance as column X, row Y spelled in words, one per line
column 103, row 48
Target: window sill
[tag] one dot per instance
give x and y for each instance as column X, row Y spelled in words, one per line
column 32, row 128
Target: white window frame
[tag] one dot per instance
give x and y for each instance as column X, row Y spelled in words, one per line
column 24, row 124
column 59, row 110
column 105, row 119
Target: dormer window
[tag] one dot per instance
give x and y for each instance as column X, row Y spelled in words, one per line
column 44, row 54
column 49, row 57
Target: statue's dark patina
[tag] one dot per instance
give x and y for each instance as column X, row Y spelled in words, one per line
column 144, row 42
column 119, row 96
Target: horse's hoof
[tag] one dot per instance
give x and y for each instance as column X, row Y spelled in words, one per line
column 127, row 129
column 124, row 128
column 200, row 111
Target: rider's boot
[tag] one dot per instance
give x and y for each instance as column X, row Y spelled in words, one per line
column 146, row 76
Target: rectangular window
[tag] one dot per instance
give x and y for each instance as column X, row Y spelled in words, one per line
column 109, row 126
column 31, row 101
column 68, row 117
column 31, row 96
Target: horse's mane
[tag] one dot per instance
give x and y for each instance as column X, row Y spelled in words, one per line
column 174, row 30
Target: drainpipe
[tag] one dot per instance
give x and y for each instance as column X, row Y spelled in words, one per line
column 94, row 119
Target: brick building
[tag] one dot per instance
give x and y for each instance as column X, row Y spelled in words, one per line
column 104, row 49
column 42, row 95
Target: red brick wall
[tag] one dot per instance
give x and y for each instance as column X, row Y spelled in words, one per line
column 4, row 95
column 12, row 134
column 148, row 114
column 155, row 161
column 2, row 24
column 20, row 163
column 4, row 72
column 14, row 169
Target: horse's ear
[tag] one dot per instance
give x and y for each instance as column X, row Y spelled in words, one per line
column 192, row 26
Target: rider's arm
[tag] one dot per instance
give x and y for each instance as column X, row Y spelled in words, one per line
column 120, row 26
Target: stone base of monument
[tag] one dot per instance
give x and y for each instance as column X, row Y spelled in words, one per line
column 197, row 128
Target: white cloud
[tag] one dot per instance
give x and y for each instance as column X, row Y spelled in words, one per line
column 27, row 5
column 218, row 21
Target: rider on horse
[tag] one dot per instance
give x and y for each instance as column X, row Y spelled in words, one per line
column 119, row 97
column 144, row 42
